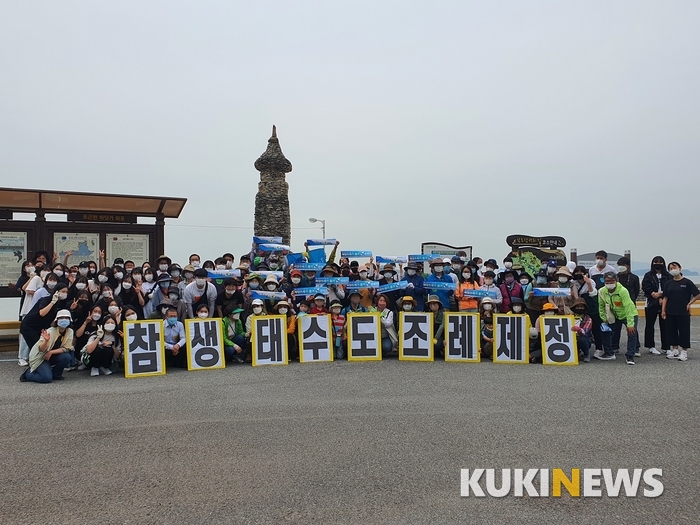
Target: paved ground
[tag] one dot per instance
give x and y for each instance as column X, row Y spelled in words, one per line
column 344, row 442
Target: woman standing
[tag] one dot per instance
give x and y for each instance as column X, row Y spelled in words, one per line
column 679, row 293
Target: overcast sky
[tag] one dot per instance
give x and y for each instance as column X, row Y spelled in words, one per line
column 460, row 122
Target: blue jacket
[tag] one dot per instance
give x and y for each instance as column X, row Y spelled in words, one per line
column 443, row 295
column 417, row 292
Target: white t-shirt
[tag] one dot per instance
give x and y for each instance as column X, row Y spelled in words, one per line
column 33, row 286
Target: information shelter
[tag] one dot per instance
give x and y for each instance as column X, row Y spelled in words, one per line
column 93, row 222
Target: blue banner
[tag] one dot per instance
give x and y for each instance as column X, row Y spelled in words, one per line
column 480, row 293
column 270, row 247
column 320, row 242
column 420, row 257
column 332, row 280
column 309, row 266
column 363, row 284
column 279, row 296
column 384, row 259
column 294, row 258
column 545, row 292
column 317, row 256
column 349, row 253
column 392, row 286
column 263, row 240
column 266, row 273
column 439, row 286
column 223, row 274
column 310, row 290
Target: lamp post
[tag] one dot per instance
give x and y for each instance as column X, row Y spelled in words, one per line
column 323, row 224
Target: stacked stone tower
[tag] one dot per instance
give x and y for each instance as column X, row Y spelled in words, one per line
column 272, row 200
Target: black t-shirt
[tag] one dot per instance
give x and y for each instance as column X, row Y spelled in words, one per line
column 678, row 294
column 223, row 300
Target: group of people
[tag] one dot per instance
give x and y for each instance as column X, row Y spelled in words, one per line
column 72, row 315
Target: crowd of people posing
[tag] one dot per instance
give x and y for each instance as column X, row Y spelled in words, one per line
column 72, row 316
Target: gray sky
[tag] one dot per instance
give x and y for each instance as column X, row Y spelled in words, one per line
column 459, row 122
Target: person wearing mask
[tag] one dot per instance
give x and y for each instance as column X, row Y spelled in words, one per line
column 489, row 286
column 195, row 261
column 363, row 274
column 653, row 286
column 449, row 271
column 42, row 313
column 175, row 340
column 105, row 298
column 510, row 288
column 564, row 281
column 583, row 325
column 525, row 284
column 295, row 277
column 52, row 351
column 534, row 303
column 162, row 264
column 615, row 307
column 355, row 305
column 390, row 339
column 487, row 307
column 679, row 295
column 80, row 307
column 517, row 306
column 86, row 329
column 25, row 302
column 175, row 272
column 229, row 295
column 50, row 282
column 202, row 312
column 132, row 293
column 257, row 310
column 597, row 272
column 434, row 306
column 631, row 282
column 158, row 293
column 148, row 284
column 470, row 281
column 415, row 286
column 188, row 277
column 535, row 336
column 200, row 292
column 253, row 282
column 234, row 334
column 102, row 348
column 438, row 276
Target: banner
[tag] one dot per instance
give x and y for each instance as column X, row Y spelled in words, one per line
column 480, row 293
column 315, row 338
column 558, row 341
column 294, row 258
column 511, row 339
column 416, row 336
column 264, row 240
column 317, row 256
column 385, row 259
column 332, row 280
column 400, row 285
column 364, row 337
column 305, row 267
column 144, row 348
column 462, row 337
column 273, row 247
column 546, row 292
column 349, row 253
column 431, row 285
column 309, row 290
column 223, row 274
column 266, row 273
column 362, row 284
column 436, row 249
column 205, row 344
column 278, row 296
column 420, row 257
column 320, row 242
column 13, row 250
column 269, row 340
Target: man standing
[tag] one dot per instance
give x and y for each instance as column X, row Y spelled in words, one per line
column 631, row 282
column 615, row 308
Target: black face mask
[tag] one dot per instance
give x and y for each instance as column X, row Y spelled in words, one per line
column 579, row 312
column 658, row 267
column 578, row 277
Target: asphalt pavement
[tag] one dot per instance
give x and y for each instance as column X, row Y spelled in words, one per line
column 376, row 442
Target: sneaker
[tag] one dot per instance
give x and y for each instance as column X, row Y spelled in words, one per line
column 671, row 354
column 629, row 359
column 587, row 359
column 94, row 371
column 683, row 356
column 654, row 351
column 23, row 377
column 105, row 371
column 598, row 353
column 22, row 362
column 81, row 366
column 69, row 369
column 605, row 357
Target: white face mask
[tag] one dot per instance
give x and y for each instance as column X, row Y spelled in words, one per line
column 467, row 275
column 600, row 263
column 102, row 278
column 109, row 327
column 437, row 269
column 335, row 311
column 257, row 309
column 563, row 280
column 230, row 292
column 175, row 273
column 62, row 296
column 220, row 267
column 173, row 297
column 127, row 286
column 271, row 287
column 611, row 287
column 488, row 282
column 164, row 311
column 524, row 282
column 282, row 311
column 517, row 309
column 51, row 284
column 195, row 263
column 163, row 267
column 674, row 272
column 148, row 277
column 113, row 309
column 407, row 307
column 296, row 280
column 202, row 315
column 550, row 312
column 488, row 306
column 236, row 317
column 363, row 275
column 200, row 282
column 106, row 294
column 137, row 277
column 622, row 269
column 96, row 317
column 119, row 276
column 411, row 272
column 508, row 264
column 80, row 286
column 551, row 270
column 59, row 273
column 83, row 271
column 132, row 317
column 229, row 264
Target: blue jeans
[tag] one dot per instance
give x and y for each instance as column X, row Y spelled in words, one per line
column 51, row 369
column 230, row 351
column 616, row 328
column 584, row 344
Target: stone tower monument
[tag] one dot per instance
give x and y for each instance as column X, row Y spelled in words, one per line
column 272, row 200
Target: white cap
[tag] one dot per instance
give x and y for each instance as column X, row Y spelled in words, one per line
column 64, row 313
column 257, row 302
column 447, row 261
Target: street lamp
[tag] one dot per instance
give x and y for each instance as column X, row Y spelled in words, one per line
column 323, row 224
